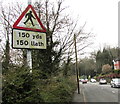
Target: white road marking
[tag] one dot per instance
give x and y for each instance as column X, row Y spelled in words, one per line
column 84, row 97
column 113, row 92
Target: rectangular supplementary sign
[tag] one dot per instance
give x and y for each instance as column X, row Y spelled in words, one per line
column 28, row 39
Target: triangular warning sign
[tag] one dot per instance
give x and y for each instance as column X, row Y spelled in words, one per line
column 29, row 20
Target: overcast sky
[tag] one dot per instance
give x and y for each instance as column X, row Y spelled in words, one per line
column 101, row 17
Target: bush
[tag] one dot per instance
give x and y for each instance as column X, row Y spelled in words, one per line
column 59, row 90
column 20, row 87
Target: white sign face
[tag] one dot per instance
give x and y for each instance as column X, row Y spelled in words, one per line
column 29, row 22
column 28, row 39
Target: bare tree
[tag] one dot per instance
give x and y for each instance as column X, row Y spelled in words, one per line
column 61, row 27
column 8, row 15
column 60, row 30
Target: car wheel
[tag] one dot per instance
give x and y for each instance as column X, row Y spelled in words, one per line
column 113, row 85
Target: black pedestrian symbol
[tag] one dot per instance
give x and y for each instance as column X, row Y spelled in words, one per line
column 29, row 17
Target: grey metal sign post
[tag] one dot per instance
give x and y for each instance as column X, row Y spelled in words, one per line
column 29, row 53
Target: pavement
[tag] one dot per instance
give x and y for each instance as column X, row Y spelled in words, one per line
column 78, row 97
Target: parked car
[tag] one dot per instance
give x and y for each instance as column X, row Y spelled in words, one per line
column 93, row 80
column 84, row 81
column 115, row 82
column 102, row 81
column 81, row 80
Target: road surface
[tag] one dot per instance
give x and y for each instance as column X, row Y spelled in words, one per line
column 93, row 92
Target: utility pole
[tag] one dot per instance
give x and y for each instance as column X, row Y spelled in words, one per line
column 119, row 30
column 76, row 63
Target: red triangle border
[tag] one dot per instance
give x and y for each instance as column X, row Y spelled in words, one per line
column 25, row 28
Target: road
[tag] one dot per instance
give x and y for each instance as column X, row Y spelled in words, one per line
column 93, row 92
